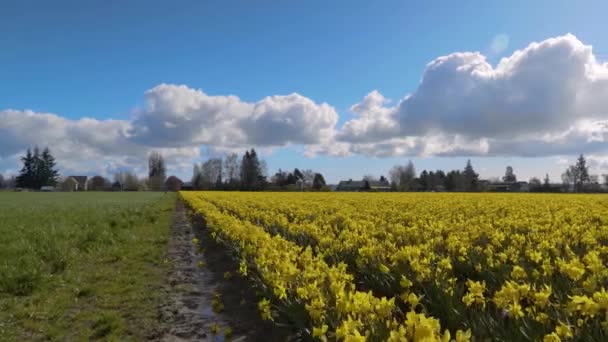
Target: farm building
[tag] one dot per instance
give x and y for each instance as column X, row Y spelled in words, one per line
column 75, row 183
column 363, row 185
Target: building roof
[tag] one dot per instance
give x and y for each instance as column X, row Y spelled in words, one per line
column 357, row 185
column 82, row 180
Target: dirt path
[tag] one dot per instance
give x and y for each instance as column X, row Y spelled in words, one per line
column 203, row 303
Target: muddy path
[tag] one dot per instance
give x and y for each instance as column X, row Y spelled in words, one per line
column 205, row 298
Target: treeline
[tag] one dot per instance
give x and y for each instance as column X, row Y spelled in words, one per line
column 249, row 173
column 576, row 178
column 403, row 178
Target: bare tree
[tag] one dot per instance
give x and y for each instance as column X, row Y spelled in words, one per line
column 157, row 171
column 127, row 180
column 308, row 177
column 231, row 170
column 403, row 176
column 568, row 178
column 97, row 183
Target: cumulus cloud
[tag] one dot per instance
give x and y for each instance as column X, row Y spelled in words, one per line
column 177, row 121
column 178, row 115
column 549, row 98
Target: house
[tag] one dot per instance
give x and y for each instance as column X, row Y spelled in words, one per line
column 507, row 186
column 75, row 183
column 363, row 185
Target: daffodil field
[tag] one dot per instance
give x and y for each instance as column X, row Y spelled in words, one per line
column 420, row 266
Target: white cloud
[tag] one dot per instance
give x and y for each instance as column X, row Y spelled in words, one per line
column 178, row 115
column 176, row 121
column 550, row 98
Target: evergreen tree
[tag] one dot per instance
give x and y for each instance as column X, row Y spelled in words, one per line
column 49, row 175
column 25, row 178
column 471, row 178
column 509, row 176
column 318, row 182
column 298, row 174
column 38, row 170
column 581, row 173
column 254, row 171
column 245, row 162
column 546, row 183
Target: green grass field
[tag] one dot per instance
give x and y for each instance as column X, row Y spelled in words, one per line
column 82, row 266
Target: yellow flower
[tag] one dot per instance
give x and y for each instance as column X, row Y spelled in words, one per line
column 264, row 306
column 518, row 272
column 475, row 294
column 563, row 330
column 463, row 336
column 413, row 299
column 243, row 267
column 583, row 304
column 552, row 337
column 541, row 298
column 319, row 332
column 405, row 283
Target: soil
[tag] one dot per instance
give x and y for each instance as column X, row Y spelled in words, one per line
column 196, row 283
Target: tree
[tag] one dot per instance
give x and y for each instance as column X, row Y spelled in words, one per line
column 157, row 171
column 209, row 175
column 252, row 177
column 98, row 183
column 581, row 173
column 455, row 181
column 38, row 170
column 509, row 176
column 2, row 183
column 231, row 170
column 128, row 181
column 48, row 174
column 424, row 180
column 403, row 177
column 471, row 178
column 318, row 182
column 546, row 183
column 606, row 179
column 196, row 177
column 25, row 179
column 535, row 184
column 568, row 178
column 297, row 174
column 173, row 184
column 308, row 177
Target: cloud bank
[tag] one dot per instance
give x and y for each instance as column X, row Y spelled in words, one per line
column 550, row 98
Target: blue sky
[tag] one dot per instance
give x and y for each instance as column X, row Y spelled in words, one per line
column 96, row 59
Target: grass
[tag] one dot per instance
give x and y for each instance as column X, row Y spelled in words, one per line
column 82, row 266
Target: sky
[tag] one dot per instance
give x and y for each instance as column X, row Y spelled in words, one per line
column 346, row 88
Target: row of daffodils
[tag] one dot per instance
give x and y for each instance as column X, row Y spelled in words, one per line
column 421, row 266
